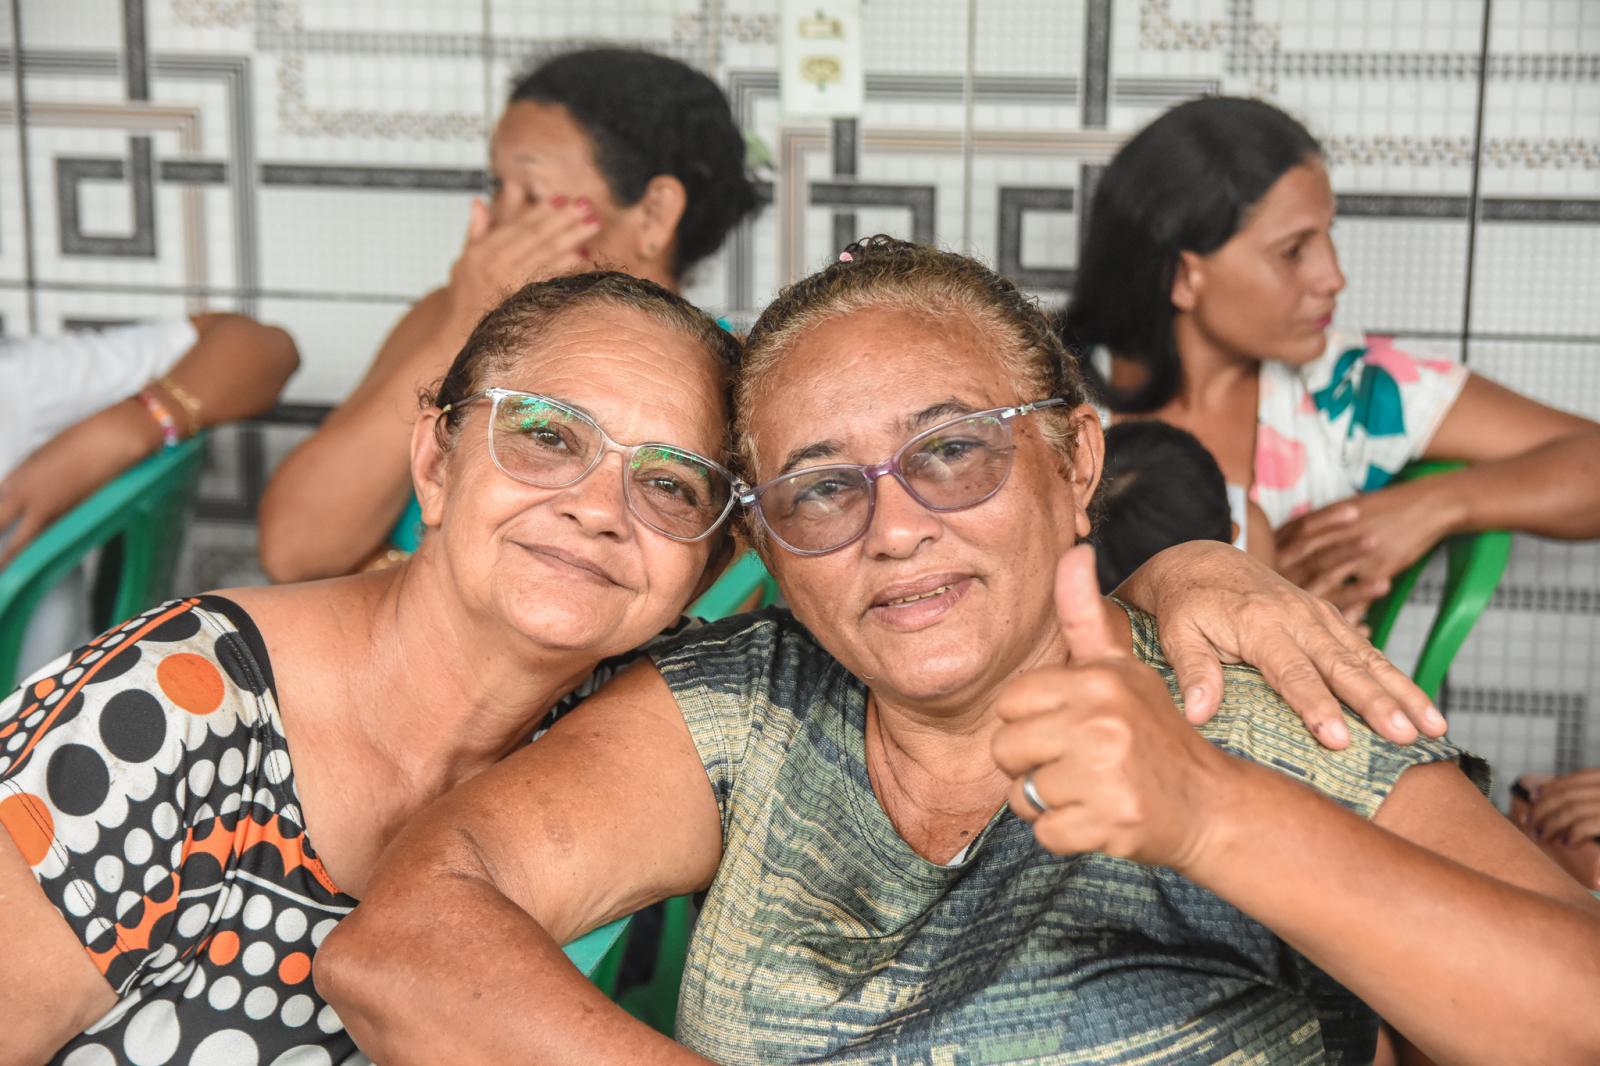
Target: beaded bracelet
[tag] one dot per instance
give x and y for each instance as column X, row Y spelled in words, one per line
column 163, row 417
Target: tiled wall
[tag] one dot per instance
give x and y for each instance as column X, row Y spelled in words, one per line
column 310, row 161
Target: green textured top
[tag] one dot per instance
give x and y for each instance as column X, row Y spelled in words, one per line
column 825, row 936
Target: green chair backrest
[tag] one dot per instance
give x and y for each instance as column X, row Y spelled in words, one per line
column 146, row 506
column 407, row 532
column 595, row 947
column 1474, row 565
column 737, row 584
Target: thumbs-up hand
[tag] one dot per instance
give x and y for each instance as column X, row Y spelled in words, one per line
column 1098, row 743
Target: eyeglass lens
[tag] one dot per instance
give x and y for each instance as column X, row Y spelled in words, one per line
column 956, row 465
column 547, row 444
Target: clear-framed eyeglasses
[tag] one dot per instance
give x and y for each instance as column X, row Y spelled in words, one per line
column 950, row 467
column 543, row 442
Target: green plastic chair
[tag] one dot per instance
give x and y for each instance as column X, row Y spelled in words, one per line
column 146, row 507
column 599, row 953
column 1475, row 563
column 592, row 952
column 407, row 532
column 736, row 585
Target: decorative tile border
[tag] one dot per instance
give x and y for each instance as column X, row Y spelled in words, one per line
column 72, row 173
column 1014, row 204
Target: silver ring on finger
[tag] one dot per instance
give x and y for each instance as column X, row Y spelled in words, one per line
column 1031, row 791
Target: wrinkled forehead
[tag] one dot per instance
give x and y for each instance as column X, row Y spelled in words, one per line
column 866, row 373
column 640, row 378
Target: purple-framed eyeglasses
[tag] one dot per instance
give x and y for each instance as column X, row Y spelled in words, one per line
column 950, row 467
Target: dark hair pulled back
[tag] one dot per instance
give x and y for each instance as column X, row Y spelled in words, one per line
column 1184, row 183
column 645, row 115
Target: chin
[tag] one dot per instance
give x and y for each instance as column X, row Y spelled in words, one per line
column 564, row 622
column 934, row 674
column 1305, row 351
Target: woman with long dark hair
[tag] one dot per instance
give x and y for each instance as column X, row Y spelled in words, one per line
column 1208, row 283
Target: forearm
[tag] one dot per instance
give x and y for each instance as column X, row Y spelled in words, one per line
column 1142, row 587
column 236, row 369
column 479, row 980
column 1551, row 491
column 1425, row 941
column 332, row 500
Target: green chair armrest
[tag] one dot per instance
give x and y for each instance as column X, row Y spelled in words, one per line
column 146, row 505
column 1475, row 564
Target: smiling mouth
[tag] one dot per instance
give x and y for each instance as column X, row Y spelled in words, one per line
column 915, row 606
column 919, row 596
column 567, row 562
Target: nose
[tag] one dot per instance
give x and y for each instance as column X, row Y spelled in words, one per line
column 900, row 524
column 598, row 503
column 1330, row 279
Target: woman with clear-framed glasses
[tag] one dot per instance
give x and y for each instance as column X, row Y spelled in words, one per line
column 194, row 800
column 948, row 810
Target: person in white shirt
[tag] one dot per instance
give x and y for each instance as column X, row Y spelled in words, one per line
column 80, row 408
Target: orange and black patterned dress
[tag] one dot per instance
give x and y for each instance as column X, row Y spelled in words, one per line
column 146, row 780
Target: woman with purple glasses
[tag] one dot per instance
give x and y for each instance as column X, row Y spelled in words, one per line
column 193, row 801
column 947, row 810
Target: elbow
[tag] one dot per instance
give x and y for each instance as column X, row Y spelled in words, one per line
column 347, row 972
column 281, row 352
column 283, row 559
column 270, row 352
column 280, row 540
column 275, row 354
column 280, row 566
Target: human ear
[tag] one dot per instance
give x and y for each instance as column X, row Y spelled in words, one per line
column 428, row 463
column 659, row 211
column 1187, row 279
column 1086, row 464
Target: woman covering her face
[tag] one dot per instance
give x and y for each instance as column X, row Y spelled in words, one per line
column 948, row 808
column 193, row 801
column 604, row 158
column 1209, row 283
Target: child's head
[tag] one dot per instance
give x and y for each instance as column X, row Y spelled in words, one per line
column 1161, row 487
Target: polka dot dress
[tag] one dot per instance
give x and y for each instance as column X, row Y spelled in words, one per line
column 146, row 780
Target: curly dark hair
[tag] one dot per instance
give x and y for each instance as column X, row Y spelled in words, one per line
column 513, row 330
column 884, row 272
column 645, row 115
